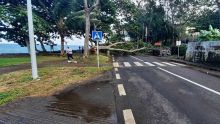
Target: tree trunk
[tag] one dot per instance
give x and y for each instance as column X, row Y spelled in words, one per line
column 86, row 42
column 62, row 45
column 42, row 46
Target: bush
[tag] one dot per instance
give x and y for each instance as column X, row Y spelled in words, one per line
column 174, row 50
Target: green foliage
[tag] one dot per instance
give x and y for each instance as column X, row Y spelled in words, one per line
column 182, row 50
column 210, row 35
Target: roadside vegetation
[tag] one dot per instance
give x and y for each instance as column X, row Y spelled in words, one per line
column 20, row 84
column 23, row 60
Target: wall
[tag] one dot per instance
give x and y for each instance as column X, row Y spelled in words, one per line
column 208, row 51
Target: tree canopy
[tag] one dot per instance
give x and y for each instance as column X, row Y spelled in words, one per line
column 141, row 20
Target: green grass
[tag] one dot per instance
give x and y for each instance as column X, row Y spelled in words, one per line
column 22, row 60
column 19, row 84
column 92, row 59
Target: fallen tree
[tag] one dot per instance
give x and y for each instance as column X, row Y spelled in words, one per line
column 113, row 47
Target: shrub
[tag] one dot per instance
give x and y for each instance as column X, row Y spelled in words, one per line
column 183, row 48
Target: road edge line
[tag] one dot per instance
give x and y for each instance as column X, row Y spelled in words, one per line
column 192, row 82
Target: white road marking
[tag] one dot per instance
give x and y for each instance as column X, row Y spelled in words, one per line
column 115, row 64
column 149, row 64
column 157, row 63
column 168, row 64
column 178, row 64
column 138, row 63
column 116, row 69
column 137, row 58
column 128, row 116
column 121, row 90
column 118, row 76
column 127, row 64
column 204, row 87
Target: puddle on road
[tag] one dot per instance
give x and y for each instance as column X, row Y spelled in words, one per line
column 87, row 103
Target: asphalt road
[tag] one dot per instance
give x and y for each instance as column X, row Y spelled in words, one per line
column 151, row 91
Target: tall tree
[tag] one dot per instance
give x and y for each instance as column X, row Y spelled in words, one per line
column 88, row 8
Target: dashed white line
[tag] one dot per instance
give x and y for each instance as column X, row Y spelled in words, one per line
column 204, row 87
column 168, row 64
column 117, row 76
column 157, row 63
column 138, row 63
column 121, row 90
column 115, row 64
column 128, row 116
column 149, row 64
column 116, row 69
column 127, row 64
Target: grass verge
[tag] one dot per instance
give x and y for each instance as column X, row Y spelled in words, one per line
column 92, row 59
column 22, row 60
column 19, row 84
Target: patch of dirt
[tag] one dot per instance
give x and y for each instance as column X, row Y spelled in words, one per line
column 3, row 89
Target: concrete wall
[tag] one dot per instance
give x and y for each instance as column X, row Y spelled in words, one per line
column 203, row 51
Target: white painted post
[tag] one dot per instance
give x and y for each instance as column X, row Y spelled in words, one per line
column 31, row 40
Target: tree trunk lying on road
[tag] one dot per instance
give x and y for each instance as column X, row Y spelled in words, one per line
column 109, row 47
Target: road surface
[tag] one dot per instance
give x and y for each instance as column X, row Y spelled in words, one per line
column 151, row 91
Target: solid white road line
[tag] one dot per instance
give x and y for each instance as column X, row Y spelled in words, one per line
column 168, row 64
column 128, row 116
column 149, row 64
column 178, row 64
column 118, row 76
column 115, row 64
column 127, row 64
column 116, row 69
column 137, row 58
column 138, row 63
column 204, row 87
column 157, row 63
column 121, row 90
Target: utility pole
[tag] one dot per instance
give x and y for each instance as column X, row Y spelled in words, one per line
column 31, row 40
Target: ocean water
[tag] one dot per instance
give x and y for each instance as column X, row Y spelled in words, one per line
column 15, row 48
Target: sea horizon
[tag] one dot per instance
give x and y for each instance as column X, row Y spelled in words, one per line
column 7, row 48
